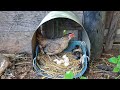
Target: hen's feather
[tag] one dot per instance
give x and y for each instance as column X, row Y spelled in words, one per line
column 53, row 46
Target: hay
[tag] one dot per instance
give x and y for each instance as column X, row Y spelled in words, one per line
column 55, row 70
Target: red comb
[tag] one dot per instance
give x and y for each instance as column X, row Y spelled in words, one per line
column 72, row 34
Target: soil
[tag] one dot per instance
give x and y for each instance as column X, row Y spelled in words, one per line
column 21, row 67
column 101, row 68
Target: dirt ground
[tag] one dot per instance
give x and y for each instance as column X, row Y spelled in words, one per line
column 21, row 67
column 101, row 68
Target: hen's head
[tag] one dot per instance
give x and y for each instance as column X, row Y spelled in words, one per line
column 71, row 35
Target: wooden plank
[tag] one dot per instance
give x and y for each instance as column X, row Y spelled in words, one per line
column 116, row 46
column 54, row 28
column 118, row 26
column 106, row 31
column 112, row 30
column 108, row 18
column 117, row 38
column 118, row 31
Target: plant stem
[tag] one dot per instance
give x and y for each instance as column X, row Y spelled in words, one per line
column 117, row 77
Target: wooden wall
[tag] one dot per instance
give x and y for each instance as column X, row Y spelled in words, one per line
column 116, row 38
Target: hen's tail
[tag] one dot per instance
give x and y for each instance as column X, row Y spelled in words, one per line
column 39, row 35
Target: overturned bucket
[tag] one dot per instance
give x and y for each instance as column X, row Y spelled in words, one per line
column 83, row 41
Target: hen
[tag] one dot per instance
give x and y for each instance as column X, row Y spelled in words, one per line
column 53, row 46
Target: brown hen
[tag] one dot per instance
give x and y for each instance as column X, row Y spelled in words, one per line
column 54, row 46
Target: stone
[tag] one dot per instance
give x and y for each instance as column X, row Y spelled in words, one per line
column 4, row 63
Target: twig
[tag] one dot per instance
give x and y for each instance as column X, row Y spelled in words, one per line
column 23, row 57
column 103, row 58
column 107, row 54
column 57, row 57
column 102, row 71
column 23, row 75
column 49, row 57
column 23, row 63
column 15, row 56
column 117, row 77
column 43, row 77
column 9, row 55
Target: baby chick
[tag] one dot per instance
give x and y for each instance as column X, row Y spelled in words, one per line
column 66, row 60
column 77, row 52
column 58, row 61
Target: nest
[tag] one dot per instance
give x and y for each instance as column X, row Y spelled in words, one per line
column 58, row 71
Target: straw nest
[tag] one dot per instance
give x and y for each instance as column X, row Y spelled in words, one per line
column 58, row 71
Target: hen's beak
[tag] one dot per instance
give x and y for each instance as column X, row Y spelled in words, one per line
column 74, row 36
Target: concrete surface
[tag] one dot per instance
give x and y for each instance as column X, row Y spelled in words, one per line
column 17, row 28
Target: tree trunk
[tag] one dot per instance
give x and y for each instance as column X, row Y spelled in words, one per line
column 111, row 30
column 94, row 25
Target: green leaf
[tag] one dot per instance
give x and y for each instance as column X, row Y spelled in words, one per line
column 69, row 75
column 118, row 65
column 82, row 77
column 116, row 69
column 113, row 60
column 119, row 57
column 118, row 61
column 64, row 32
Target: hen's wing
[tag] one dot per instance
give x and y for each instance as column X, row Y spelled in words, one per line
column 52, row 48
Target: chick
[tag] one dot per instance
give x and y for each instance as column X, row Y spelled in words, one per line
column 66, row 64
column 66, row 60
column 77, row 52
column 59, row 62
